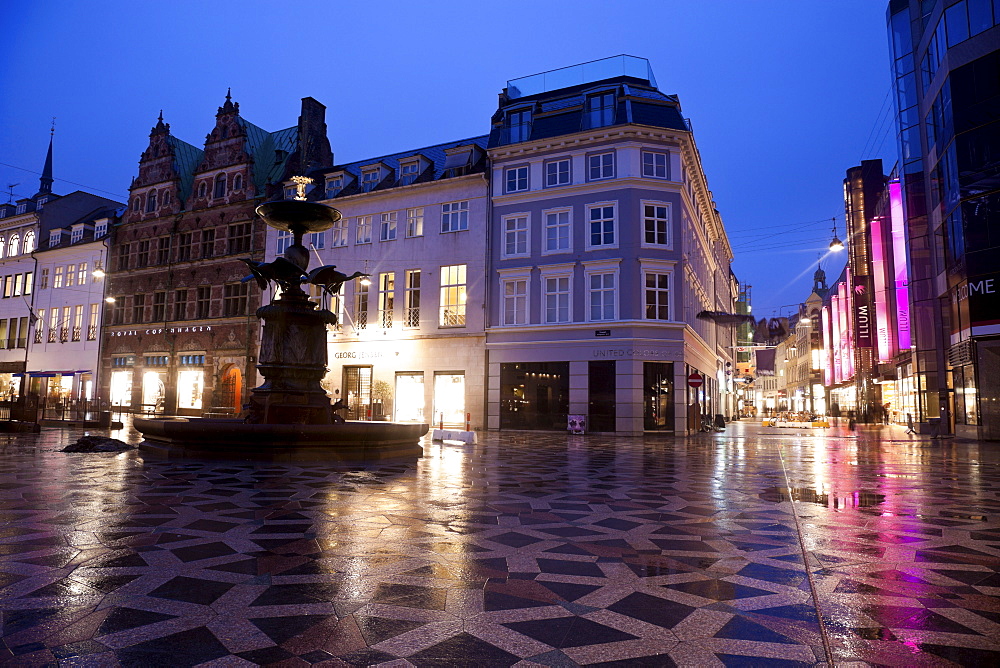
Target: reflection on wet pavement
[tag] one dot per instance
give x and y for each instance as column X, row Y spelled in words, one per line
column 741, row 548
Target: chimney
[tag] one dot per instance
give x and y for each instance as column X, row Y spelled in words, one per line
column 314, row 146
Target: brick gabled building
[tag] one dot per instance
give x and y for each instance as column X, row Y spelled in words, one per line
column 180, row 336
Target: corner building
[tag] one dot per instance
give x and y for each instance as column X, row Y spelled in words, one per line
column 604, row 246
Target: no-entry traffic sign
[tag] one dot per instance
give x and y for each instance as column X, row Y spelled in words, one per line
column 695, row 380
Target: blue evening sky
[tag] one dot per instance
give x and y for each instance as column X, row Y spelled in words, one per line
column 784, row 95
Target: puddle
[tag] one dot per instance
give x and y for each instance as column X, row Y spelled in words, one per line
column 857, row 499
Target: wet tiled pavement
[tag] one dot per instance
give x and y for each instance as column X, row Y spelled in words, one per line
column 747, row 548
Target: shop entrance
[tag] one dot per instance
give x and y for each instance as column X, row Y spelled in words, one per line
column 534, row 395
column 410, row 397
column 601, row 388
column 449, row 399
column 230, row 391
column 154, row 391
column 357, row 386
column 121, row 389
column 658, row 396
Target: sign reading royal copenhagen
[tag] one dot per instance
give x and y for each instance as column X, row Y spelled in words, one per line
column 161, row 330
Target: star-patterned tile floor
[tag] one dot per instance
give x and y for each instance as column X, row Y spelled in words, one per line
column 753, row 547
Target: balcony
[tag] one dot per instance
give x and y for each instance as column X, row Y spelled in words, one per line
column 411, row 317
column 576, row 75
column 76, row 333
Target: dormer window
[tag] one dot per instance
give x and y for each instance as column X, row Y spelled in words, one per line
column 55, row 236
column 76, row 235
column 40, row 203
column 29, row 242
column 459, row 160
column 334, row 185
column 238, row 182
column 22, row 207
column 600, row 110
column 370, row 179
column 408, row 173
column 151, row 201
column 3, row 212
column 290, row 192
column 518, row 125
column 202, row 189
column 220, row 186
column 100, row 228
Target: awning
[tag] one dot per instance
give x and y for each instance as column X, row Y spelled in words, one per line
column 50, row 374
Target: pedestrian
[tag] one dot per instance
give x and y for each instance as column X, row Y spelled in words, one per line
column 909, row 424
column 885, row 412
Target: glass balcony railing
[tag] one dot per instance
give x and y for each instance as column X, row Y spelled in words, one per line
column 575, row 75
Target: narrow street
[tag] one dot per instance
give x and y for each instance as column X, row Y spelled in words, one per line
column 756, row 546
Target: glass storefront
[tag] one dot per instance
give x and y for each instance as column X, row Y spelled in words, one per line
column 534, row 395
column 153, row 391
column 121, row 388
column 410, row 397
column 658, row 396
column 190, row 388
column 449, row 400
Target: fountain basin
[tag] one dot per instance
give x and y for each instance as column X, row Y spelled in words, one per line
column 220, row 438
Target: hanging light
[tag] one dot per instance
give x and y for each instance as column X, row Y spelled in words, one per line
column 836, row 244
column 365, row 280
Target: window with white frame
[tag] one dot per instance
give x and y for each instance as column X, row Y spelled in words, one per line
column 100, row 229
column 57, row 282
column 452, row 303
column 408, row 173
column 290, row 191
column 317, row 240
column 558, row 237
column 516, row 178
column 601, row 295
column 656, row 164
column 76, row 234
column 602, row 222
column 454, row 216
column 415, row 222
column 515, row 298
column 285, row 239
column 515, row 236
column 334, row 185
column 55, row 236
column 387, row 227
column 14, row 245
column 81, row 274
column 655, row 224
column 70, row 275
column 556, row 291
column 411, row 306
column 656, row 291
column 557, row 172
column 338, row 233
column 601, row 166
column 361, row 305
column 29, row 241
column 518, row 125
column 364, row 233
column 386, row 298
column 370, row 179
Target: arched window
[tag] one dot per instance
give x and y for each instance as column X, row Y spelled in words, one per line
column 166, row 197
column 29, row 242
column 238, row 182
column 151, row 201
column 220, row 186
column 202, row 189
column 13, row 248
column 3, row 246
column 136, row 203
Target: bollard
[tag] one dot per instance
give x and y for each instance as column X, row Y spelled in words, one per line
column 468, row 422
column 441, row 421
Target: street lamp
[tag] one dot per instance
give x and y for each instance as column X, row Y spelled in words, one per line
column 836, row 244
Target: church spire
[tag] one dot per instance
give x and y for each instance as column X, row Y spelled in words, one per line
column 45, row 182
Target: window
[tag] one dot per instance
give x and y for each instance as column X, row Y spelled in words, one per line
column 29, row 241
column 8, row 286
column 165, row 200
column 57, row 282
column 100, row 229
column 117, row 315
column 454, row 216
column 22, row 207
column 138, row 308
column 602, row 166
column 291, row 192
column 77, row 322
column 39, row 328
column 656, row 224
column 411, row 317
column 518, row 125
column 333, row 186
column 557, row 231
column 408, row 173
column 285, row 239
column 557, row 298
column 238, row 182
column 338, row 233
column 361, row 305
column 364, row 230
column 239, row 238
column 655, row 165
column 54, row 325
column 76, row 235
column 184, row 246
column 415, row 222
column 18, row 284
column 93, row 324
column 64, row 325
column 234, row 301
column 43, row 280
column 202, row 189
column 136, row 203
column 602, row 283
column 515, row 236
column 204, row 302
column 220, row 186
column 163, row 251
column 180, row 304
column 317, row 240
column 3, row 246
column 370, row 179
column 208, row 243
column 557, row 173
column 515, row 301
column 142, row 254
column 452, row 303
column 81, row 274
column 55, row 238
column 600, row 110
column 14, row 245
column 159, row 306
column 70, row 275
column 516, row 178
column 151, row 201
column 657, row 294
column 386, row 298
column 601, row 230
column 28, row 277
column 387, row 230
